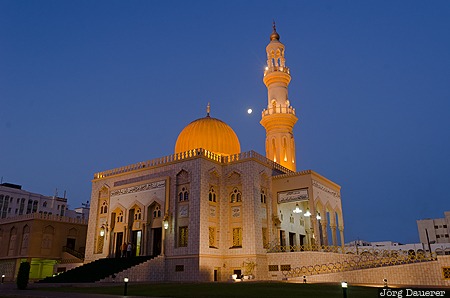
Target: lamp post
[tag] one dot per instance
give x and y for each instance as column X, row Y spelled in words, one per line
column 344, row 288
column 3, row 278
column 125, row 280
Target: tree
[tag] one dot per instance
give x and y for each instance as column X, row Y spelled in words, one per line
column 23, row 275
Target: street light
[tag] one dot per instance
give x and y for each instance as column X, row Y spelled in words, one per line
column 344, row 289
column 125, row 280
column 3, row 278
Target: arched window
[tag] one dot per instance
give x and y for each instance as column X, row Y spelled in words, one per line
column 22, row 206
column 157, row 211
column 35, row 206
column 183, row 195
column 138, row 214
column 274, row 150
column 120, row 217
column 212, row 195
column 29, row 206
column 104, row 208
column 235, row 196
column 263, row 196
column 44, row 204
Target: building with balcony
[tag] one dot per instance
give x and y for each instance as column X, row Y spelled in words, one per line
column 41, row 230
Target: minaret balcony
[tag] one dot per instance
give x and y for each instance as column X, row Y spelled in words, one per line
column 278, row 110
column 270, row 69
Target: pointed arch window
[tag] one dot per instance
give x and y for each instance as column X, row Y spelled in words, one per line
column 263, row 196
column 138, row 214
column 104, row 208
column 120, row 217
column 183, row 195
column 157, row 212
column 212, row 195
column 235, row 196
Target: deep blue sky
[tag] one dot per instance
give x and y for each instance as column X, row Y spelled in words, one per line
column 87, row 86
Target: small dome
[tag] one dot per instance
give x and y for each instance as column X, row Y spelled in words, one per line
column 208, row 133
column 274, row 35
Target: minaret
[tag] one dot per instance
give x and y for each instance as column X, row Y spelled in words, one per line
column 279, row 117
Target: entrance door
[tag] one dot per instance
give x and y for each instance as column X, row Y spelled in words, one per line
column 157, row 237
column 70, row 243
column 136, row 242
column 292, row 241
column 119, row 241
column 302, row 242
column 282, row 238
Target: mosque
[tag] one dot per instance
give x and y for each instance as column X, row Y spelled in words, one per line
column 209, row 211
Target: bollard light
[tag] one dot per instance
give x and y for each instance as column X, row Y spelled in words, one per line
column 344, row 288
column 125, row 280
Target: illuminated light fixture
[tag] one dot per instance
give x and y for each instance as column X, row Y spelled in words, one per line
column 318, row 216
column 297, row 209
column 125, row 288
column 344, row 289
column 307, row 213
column 102, row 231
column 166, row 222
column 267, row 68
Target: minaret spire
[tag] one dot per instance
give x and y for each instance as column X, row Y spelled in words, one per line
column 279, row 117
column 208, row 110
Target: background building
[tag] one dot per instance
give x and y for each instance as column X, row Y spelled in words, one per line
column 41, row 230
column 433, row 232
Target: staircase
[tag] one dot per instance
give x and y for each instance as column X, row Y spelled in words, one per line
column 96, row 270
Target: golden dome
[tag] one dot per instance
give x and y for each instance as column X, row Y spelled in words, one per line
column 208, row 133
column 274, row 35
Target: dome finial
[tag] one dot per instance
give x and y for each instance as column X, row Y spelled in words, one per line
column 208, row 110
column 274, row 35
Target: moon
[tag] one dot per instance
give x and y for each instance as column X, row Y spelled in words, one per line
column 249, row 111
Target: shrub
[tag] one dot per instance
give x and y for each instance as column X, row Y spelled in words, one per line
column 23, row 275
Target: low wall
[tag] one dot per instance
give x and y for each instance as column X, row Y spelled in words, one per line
column 428, row 273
